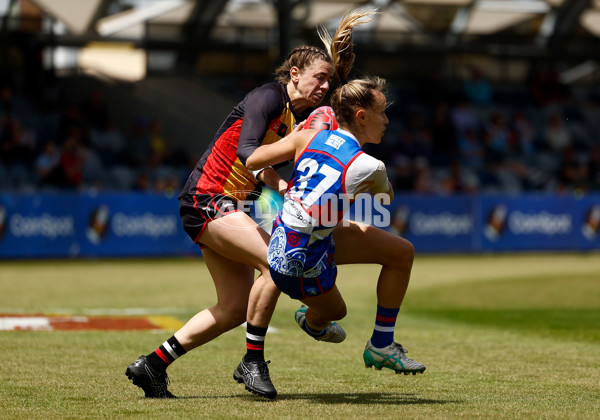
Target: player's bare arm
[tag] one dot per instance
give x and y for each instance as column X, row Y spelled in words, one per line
column 271, row 178
column 281, row 151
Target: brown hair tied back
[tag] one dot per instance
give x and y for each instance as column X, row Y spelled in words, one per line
column 301, row 57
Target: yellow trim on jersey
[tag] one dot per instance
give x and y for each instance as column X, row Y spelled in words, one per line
column 240, row 181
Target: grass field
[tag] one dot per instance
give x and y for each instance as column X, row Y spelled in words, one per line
column 503, row 336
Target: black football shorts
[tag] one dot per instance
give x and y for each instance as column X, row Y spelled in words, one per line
column 198, row 210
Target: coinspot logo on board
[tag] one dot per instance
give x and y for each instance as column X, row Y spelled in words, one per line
column 496, row 222
column 526, row 222
column 2, row 221
column 98, row 224
column 591, row 223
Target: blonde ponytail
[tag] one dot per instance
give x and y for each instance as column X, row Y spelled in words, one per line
column 340, row 47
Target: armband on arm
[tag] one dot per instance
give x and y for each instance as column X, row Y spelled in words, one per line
column 272, row 179
column 258, row 171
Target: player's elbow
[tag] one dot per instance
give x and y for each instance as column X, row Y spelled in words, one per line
column 252, row 163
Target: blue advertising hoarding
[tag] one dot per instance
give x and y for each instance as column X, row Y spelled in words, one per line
column 435, row 224
column 539, row 222
column 74, row 225
column 38, row 225
column 135, row 224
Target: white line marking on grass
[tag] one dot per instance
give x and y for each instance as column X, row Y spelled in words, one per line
column 99, row 311
column 104, row 311
column 36, row 323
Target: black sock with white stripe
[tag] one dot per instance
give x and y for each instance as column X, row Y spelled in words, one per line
column 167, row 353
column 255, row 343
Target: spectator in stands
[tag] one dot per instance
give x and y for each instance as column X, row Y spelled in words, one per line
column 424, row 183
column 524, row 135
column 6, row 105
column 95, row 110
column 573, row 173
column 443, row 134
column 457, row 180
column 556, row 134
column 464, row 118
column 167, row 185
column 71, row 120
column 158, row 142
column 477, row 88
column 497, row 135
column 545, row 87
column 17, row 146
column 403, row 175
column 594, row 169
column 142, row 182
column 109, row 142
column 415, row 139
column 471, row 151
column 471, row 154
column 140, row 146
column 48, row 167
column 71, row 161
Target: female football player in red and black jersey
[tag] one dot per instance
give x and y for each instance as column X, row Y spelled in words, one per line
column 233, row 245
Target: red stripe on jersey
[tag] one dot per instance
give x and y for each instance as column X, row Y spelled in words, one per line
column 346, row 170
column 319, row 284
column 305, row 150
column 220, row 162
column 322, row 152
column 162, row 356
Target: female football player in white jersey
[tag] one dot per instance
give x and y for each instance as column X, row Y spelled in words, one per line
column 309, row 237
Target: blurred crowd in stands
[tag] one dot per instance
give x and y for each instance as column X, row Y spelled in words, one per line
column 478, row 138
column 485, row 138
column 78, row 147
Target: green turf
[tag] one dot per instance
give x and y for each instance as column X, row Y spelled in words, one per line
column 503, row 336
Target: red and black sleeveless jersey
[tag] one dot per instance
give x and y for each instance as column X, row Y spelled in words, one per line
column 264, row 116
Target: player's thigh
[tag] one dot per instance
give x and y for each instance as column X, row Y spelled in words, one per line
column 358, row 243
column 233, row 280
column 237, row 237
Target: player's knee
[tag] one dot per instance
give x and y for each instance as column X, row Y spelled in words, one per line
column 238, row 318
column 231, row 316
column 402, row 254
column 340, row 312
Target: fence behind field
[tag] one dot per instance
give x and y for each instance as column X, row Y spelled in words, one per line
column 62, row 225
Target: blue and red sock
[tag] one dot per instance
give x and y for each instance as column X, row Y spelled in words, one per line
column 385, row 323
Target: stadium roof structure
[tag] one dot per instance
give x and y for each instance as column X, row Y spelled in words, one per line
column 567, row 30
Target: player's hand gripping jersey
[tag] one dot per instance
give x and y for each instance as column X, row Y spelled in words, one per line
column 327, row 177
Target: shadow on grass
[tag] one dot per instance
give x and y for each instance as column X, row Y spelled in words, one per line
column 363, row 398
column 340, row 398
